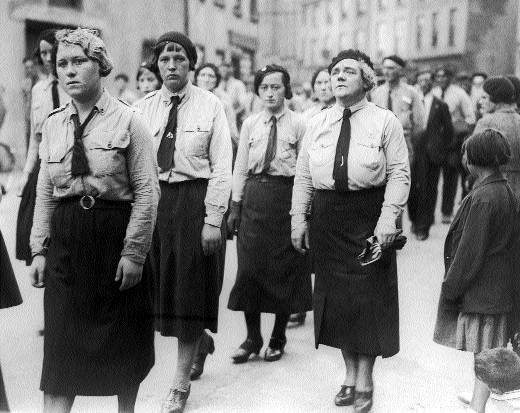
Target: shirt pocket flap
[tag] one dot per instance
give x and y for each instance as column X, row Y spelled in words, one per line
column 290, row 139
column 320, row 144
column 56, row 153
column 369, row 144
column 111, row 139
column 198, row 126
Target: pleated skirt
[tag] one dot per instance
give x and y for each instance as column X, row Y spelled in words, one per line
column 98, row 341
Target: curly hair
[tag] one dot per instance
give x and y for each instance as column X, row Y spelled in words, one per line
column 215, row 69
column 93, row 47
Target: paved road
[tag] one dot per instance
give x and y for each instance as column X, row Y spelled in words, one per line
column 423, row 377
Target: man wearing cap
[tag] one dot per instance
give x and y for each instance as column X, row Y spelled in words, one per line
column 463, row 119
column 402, row 99
column 193, row 144
column 354, row 169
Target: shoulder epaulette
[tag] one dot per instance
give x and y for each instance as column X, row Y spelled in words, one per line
column 151, row 94
column 382, row 107
column 128, row 105
column 57, row 110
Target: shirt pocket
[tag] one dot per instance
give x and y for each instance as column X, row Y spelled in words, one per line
column 322, row 153
column 196, row 138
column 108, row 152
column 369, row 154
column 287, row 147
column 59, row 170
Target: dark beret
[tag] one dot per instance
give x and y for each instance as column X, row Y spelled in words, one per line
column 516, row 83
column 184, row 41
column 272, row 68
column 396, row 59
column 500, row 89
column 351, row 54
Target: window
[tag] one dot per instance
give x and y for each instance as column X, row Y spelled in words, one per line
column 419, row 32
column 73, row 4
column 435, row 30
column 361, row 40
column 314, row 13
column 237, row 8
column 344, row 42
column 147, row 49
column 304, row 15
column 361, row 6
column 451, row 29
column 220, row 57
column 220, row 3
column 399, row 3
column 400, row 37
column 314, row 52
column 344, row 8
column 253, row 11
column 328, row 11
column 385, row 39
column 383, row 4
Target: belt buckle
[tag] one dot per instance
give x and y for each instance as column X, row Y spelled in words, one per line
column 91, row 201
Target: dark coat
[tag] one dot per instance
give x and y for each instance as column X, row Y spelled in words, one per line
column 438, row 136
column 478, row 252
column 9, row 292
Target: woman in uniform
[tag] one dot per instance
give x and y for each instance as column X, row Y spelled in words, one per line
column 354, row 163
column 95, row 212
column 191, row 137
column 47, row 95
column 272, row 277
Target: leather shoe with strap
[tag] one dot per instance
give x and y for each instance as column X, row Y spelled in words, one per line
column 363, row 401
column 207, row 346
column 176, row 400
column 275, row 350
column 345, row 396
column 247, row 348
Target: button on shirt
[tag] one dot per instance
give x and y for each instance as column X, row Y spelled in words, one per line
column 41, row 106
column 202, row 145
column 377, row 156
column 122, row 168
column 253, row 144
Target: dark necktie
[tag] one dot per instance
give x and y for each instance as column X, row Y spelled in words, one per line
column 55, row 94
column 167, row 146
column 389, row 105
column 340, row 171
column 270, row 152
column 79, row 159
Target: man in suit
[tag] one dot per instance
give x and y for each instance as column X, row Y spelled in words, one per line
column 430, row 153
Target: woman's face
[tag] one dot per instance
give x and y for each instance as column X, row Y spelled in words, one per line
column 78, row 74
column 486, row 106
column 322, row 88
column 207, row 79
column 174, row 67
column 147, row 82
column 45, row 54
column 272, row 91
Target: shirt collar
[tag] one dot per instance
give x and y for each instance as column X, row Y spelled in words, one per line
column 506, row 110
column 510, row 395
column 496, row 177
column 184, row 93
column 101, row 105
column 266, row 116
column 48, row 82
column 338, row 109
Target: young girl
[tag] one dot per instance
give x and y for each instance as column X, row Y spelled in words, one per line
column 477, row 291
column 147, row 79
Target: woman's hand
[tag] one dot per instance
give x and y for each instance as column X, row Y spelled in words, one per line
column 130, row 272
column 300, row 239
column 233, row 222
column 211, row 239
column 385, row 235
column 23, row 182
column 37, row 271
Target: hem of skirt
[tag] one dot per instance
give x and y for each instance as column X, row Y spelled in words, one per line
column 446, row 343
column 379, row 354
column 291, row 310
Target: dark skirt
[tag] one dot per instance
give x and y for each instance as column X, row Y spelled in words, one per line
column 24, row 222
column 272, row 276
column 355, row 308
column 99, row 341
column 188, row 290
column 9, row 292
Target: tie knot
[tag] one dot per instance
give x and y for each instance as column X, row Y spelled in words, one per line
column 273, row 119
column 347, row 113
column 176, row 100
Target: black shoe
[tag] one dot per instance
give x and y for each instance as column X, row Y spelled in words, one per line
column 245, row 350
column 421, row 235
column 175, row 402
column 275, row 350
column 345, row 397
column 207, row 346
column 297, row 319
column 363, row 401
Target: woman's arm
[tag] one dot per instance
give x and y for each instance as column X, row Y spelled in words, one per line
column 240, row 172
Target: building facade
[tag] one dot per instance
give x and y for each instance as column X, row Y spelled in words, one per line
column 224, row 30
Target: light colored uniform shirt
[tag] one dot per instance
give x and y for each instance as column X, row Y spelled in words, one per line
column 41, row 106
column 122, row 168
column 202, row 144
column 377, row 156
column 461, row 107
column 508, row 402
column 428, row 100
column 313, row 110
column 252, row 146
column 236, row 90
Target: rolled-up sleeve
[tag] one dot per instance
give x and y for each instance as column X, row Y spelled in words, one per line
column 220, row 160
column 303, row 190
column 46, row 203
column 397, row 172
column 240, row 172
column 144, row 181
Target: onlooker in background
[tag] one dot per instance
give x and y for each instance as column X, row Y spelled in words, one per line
column 147, row 79
column 122, row 92
column 431, row 148
column 252, row 103
column 499, row 114
column 463, row 119
column 463, row 79
column 477, row 292
column 402, row 99
column 301, row 100
column 235, row 89
column 320, row 83
column 499, row 370
column 477, row 81
column 29, row 80
column 516, row 83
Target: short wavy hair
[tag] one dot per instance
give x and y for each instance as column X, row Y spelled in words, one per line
column 213, row 67
column 93, row 47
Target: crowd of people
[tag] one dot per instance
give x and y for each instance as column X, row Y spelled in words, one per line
column 127, row 205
